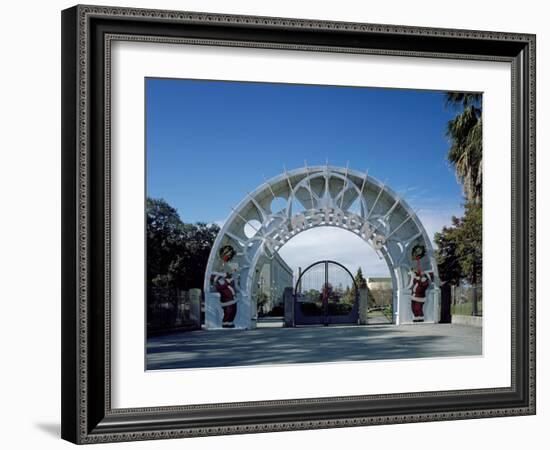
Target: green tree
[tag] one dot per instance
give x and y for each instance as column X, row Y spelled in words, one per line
column 465, row 135
column 313, row 295
column 191, row 264
column 469, row 248
column 459, row 254
column 447, row 242
column 360, row 279
column 361, row 283
column 349, row 296
column 164, row 241
column 177, row 253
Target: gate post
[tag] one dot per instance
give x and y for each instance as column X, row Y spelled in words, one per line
column 288, row 297
column 363, row 306
column 195, row 307
column 445, row 314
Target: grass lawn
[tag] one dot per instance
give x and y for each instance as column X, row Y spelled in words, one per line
column 465, row 309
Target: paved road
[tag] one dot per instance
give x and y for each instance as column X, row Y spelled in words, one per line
column 219, row 348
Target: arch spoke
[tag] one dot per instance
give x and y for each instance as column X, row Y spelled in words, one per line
column 371, row 209
column 340, row 196
column 262, row 211
column 237, row 239
column 390, row 211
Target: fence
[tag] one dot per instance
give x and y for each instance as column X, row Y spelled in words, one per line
column 467, row 300
column 170, row 309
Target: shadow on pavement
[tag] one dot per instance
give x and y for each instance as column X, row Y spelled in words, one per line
column 222, row 348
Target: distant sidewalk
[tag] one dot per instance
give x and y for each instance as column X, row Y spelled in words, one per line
column 223, row 348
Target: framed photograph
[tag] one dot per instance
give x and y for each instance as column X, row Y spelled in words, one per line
column 280, row 224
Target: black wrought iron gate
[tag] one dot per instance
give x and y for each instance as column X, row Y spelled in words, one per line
column 325, row 294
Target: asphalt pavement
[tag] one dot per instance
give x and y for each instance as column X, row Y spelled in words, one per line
column 273, row 345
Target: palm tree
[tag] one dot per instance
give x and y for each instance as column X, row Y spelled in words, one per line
column 465, row 135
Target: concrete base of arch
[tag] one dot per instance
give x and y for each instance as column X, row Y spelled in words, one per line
column 213, row 313
column 403, row 314
column 246, row 318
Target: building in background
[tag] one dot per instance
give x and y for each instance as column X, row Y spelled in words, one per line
column 272, row 277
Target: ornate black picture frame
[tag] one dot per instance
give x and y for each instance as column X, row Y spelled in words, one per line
column 87, row 33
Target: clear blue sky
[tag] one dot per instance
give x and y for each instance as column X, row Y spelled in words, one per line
column 209, row 142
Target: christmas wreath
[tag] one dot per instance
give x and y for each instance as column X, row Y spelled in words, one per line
column 227, row 253
column 418, row 251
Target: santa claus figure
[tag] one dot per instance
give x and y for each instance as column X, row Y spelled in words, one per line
column 419, row 285
column 224, row 284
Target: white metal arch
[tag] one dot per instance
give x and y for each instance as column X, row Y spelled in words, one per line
column 321, row 196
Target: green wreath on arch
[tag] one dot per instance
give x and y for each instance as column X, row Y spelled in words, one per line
column 227, row 253
column 418, row 252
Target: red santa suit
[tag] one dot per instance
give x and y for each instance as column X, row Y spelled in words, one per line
column 224, row 284
column 420, row 284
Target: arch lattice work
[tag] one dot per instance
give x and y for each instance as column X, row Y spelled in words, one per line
column 301, row 199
